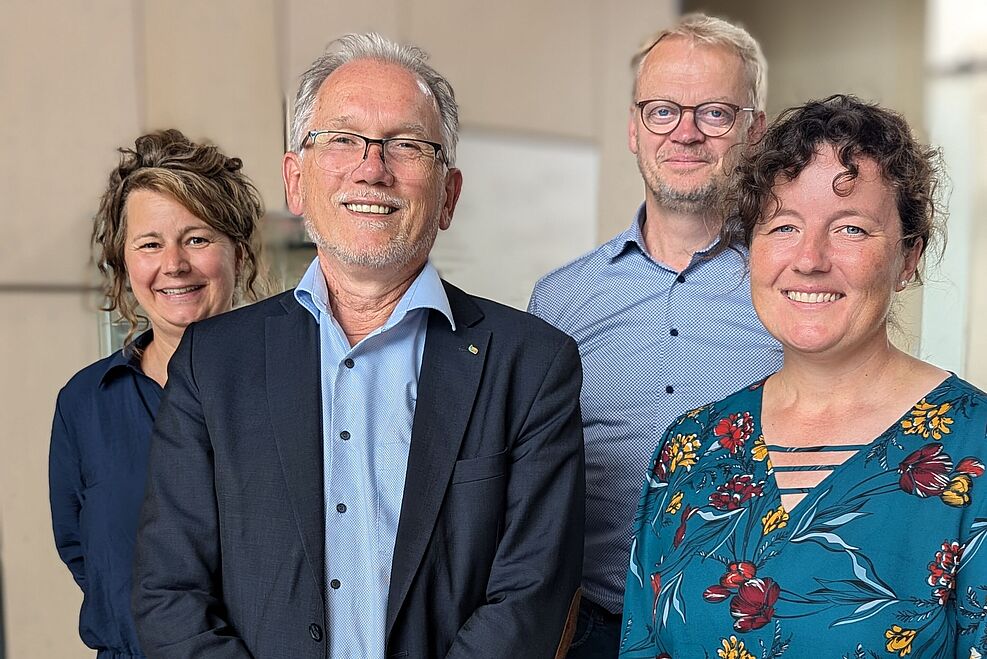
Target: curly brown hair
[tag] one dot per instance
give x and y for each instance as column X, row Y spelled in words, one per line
column 856, row 130
column 201, row 178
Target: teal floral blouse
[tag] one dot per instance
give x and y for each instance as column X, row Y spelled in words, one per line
column 885, row 557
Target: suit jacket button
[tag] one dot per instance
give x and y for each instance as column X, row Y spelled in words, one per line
column 315, row 631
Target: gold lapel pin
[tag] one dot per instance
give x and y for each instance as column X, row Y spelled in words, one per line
column 473, row 349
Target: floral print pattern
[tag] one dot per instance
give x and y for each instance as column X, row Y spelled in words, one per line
column 885, row 557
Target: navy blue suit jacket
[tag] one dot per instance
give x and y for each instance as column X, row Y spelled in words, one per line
column 488, row 556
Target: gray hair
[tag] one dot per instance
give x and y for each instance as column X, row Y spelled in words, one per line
column 711, row 31
column 351, row 47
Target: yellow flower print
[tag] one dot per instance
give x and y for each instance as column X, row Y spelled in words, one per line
column 733, row 649
column 927, row 419
column 683, row 451
column 675, row 503
column 899, row 640
column 958, row 491
column 760, row 449
column 693, row 414
column 774, row 520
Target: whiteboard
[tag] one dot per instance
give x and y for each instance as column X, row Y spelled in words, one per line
column 528, row 205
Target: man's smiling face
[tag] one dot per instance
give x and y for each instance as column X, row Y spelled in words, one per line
column 370, row 217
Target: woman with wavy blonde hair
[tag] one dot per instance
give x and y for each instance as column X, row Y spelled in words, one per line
column 175, row 238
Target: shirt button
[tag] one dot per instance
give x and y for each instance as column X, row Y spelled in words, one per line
column 348, row 363
column 680, row 279
column 344, row 435
column 335, row 584
column 669, row 389
column 673, row 332
column 315, row 632
column 340, row 507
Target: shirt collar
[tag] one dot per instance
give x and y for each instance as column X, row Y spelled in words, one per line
column 634, row 235
column 127, row 358
column 425, row 292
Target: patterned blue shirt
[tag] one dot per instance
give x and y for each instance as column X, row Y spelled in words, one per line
column 654, row 343
column 368, row 405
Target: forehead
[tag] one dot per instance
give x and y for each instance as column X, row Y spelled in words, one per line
column 813, row 187
column 682, row 70
column 150, row 210
column 374, row 96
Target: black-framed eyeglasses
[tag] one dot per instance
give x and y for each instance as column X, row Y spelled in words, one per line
column 340, row 151
column 712, row 119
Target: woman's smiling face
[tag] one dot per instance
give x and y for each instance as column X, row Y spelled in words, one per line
column 181, row 269
column 825, row 267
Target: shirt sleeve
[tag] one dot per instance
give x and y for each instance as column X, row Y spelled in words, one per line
column 65, row 494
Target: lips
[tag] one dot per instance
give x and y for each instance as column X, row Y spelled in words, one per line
column 817, row 297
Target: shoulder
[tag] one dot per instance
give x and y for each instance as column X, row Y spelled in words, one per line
column 512, row 325
column 567, row 278
column 954, row 405
column 84, row 384
column 740, row 409
column 558, row 295
column 247, row 321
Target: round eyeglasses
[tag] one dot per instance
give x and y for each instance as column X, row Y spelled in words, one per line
column 713, row 119
column 405, row 157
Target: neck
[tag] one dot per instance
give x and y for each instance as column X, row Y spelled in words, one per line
column 673, row 237
column 362, row 299
column 157, row 354
column 813, row 381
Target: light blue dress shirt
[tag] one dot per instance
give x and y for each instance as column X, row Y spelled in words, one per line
column 655, row 343
column 369, row 393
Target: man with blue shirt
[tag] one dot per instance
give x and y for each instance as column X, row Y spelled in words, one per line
column 375, row 464
column 663, row 319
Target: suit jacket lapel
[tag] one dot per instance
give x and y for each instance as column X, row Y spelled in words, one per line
column 294, row 393
column 452, row 364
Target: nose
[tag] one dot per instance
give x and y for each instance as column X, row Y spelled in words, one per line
column 372, row 169
column 687, row 132
column 175, row 260
column 813, row 254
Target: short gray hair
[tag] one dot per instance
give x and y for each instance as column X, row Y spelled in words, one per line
column 711, row 31
column 372, row 46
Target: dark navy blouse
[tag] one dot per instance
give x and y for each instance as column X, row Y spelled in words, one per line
column 96, row 469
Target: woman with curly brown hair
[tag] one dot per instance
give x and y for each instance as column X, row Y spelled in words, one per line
column 834, row 508
column 174, row 238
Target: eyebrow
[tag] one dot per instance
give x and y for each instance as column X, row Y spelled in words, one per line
column 411, row 128
column 184, row 230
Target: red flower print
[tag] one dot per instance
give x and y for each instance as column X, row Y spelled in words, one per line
column 660, row 470
column 925, row 473
column 971, row 467
column 737, row 574
column 942, row 571
column 734, row 430
column 687, row 512
column 735, row 492
column 716, row 594
column 656, row 582
column 753, row 605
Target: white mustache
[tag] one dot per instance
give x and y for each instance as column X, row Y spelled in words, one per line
column 375, row 196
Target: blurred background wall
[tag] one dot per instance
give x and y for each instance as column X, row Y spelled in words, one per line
column 79, row 79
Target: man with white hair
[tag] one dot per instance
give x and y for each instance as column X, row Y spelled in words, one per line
column 662, row 317
column 375, row 464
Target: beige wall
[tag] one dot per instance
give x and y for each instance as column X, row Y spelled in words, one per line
column 70, row 95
